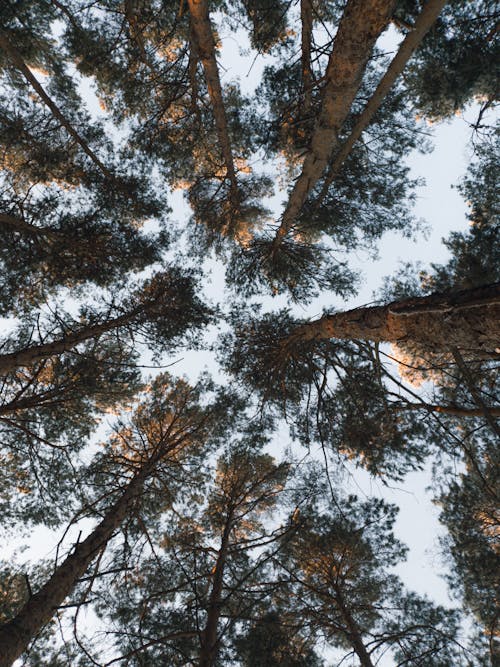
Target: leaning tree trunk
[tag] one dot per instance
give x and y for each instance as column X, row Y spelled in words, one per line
column 17, row 60
column 466, row 320
column 423, row 24
column 16, row 635
column 359, row 29
column 29, row 355
column 202, row 29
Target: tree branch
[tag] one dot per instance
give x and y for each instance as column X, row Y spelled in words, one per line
column 16, row 58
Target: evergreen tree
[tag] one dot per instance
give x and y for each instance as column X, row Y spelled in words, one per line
column 201, row 548
column 337, row 566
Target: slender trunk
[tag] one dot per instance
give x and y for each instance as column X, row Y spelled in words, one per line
column 205, row 44
column 31, row 354
column 352, row 631
column 476, row 394
column 16, row 58
column 306, row 37
column 468, row 320
column 16, row 635
column 13, row 223
column 132, row 10
column 423, row 24
column 209, row 643
column 359, row 29
column 445, row 409
column 34, row 401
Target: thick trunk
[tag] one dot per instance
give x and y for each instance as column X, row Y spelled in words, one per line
column 468, row 320
column 423, row 24
column 359, row 29
column 306, row 36
column 16, row 635
column 31, row 354
column 205, row 45
column 352, row 631
column 16, row 58
column 209, row 643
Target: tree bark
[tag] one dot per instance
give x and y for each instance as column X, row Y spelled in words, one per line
column 209, row 643
column 31, row 354
column 423, row 24
column 16, row 635
column 352, row 631
column 306, row 36
column 359, row 29
column 468, row 320
column 455, row 410
column 16, row 58
column 202, row 29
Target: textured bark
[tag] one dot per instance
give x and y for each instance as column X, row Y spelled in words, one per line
column 205, row 45
column 468, row 320
column 423, row 24
column 17, row 60
column 306, row 37
column 359, row 29
column 16, row 635
column 31, row 354
column 209, row 643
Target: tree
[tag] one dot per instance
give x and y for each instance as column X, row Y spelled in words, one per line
column 205, row 573
column 165, row 428
column 201, row 547
column 336, row 569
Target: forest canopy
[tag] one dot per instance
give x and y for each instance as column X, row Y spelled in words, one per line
column 196, row 518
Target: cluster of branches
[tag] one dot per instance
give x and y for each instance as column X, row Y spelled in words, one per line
column 201, row 547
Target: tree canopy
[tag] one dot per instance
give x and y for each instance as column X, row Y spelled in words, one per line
column 197, row 519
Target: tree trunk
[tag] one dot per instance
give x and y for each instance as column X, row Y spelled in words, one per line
column 31, row 354
column 468, row 320
column 306, row 36
column 359, row 29
column 16, row 635
column 16, row 58
column 13, row 223
column 454, row 410
column 209, row 643
column 205, row 44
column 352, row 631
column 423, row 24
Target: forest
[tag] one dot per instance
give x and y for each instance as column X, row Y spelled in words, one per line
column 159, row 214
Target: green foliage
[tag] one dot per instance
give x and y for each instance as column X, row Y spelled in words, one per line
column 269, row 642
column 229, row 551
column 458, row 60
column 469, row 511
